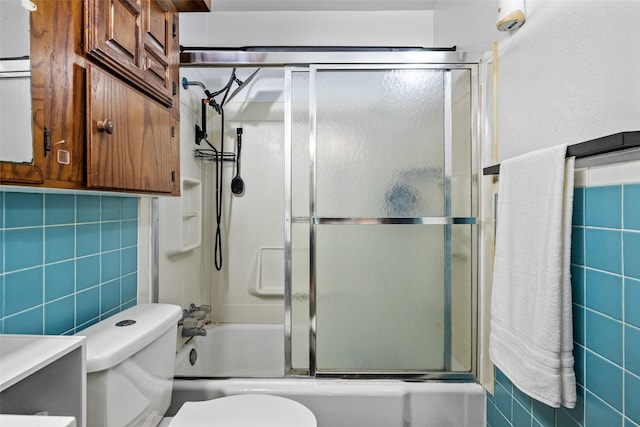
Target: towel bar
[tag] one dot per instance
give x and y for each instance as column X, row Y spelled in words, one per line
column 606, row 144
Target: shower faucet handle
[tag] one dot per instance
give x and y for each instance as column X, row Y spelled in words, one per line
column 193, row 308
column 199, row 314
column 203, row 308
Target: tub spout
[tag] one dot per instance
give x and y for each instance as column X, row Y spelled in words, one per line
column 192, row 332
column 192, row 327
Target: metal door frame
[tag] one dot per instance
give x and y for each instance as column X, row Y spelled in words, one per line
column 446, row 220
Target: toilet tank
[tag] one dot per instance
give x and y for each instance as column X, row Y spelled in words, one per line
column 130, row 363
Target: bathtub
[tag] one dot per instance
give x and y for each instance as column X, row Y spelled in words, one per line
column 234, row 350
column 335, row 402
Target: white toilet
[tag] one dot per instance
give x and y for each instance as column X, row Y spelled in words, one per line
column 130, row 363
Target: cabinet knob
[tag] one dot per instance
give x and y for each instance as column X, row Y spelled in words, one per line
column 106, row 126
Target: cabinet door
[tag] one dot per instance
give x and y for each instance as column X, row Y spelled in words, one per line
column 130, row 138
column 133, row 39
column 157, row 36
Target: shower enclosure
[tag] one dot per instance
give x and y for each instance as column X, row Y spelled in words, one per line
column 381, row 206
column 381, row 166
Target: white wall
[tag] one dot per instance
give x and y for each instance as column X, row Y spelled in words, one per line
column 346, row 28
column 569, row 74
column 467, row 24
column 184, row 277
column 253, row 220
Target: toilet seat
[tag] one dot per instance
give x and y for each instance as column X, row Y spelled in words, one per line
column 245, row 410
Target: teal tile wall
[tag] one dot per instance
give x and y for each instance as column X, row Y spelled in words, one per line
column 66, row 260
column 605, row 279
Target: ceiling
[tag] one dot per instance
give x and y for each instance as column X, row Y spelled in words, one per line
column 319, row 5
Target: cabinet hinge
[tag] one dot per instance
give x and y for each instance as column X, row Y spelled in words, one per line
column 173, row 131
column 47, row 141
column 175, row 88
column 173, row 176
column 174, row 30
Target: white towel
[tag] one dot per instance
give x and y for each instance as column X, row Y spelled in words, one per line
column 531, row 338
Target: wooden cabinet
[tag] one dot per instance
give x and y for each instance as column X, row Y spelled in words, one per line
column 97, row 63
column 135, row 40
column 192, row 5
column 22, row 173
column 130, row 137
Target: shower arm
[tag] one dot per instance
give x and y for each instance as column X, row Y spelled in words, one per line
column 186, row 83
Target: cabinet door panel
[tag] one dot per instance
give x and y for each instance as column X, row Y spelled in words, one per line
column 129, row 141
column 132, row 39
column 114, row 29
column 122, row 28
column 157, row 25
column 157, row 33
column 157, row 68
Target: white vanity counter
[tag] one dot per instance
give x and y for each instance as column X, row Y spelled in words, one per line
column 36, row 421
column 43, row 374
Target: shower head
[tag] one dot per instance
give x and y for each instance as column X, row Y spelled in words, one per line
column 241, row 85
column 217, row 106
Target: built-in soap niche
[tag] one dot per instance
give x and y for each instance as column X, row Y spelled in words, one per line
column 186, row 211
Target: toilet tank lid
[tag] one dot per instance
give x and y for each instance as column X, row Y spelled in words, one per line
column 108, row 344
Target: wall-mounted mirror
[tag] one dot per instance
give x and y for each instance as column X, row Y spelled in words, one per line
column 16, row 134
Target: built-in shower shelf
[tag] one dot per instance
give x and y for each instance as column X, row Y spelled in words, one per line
column 187, row 212
column 213, row 155
column 271, row 277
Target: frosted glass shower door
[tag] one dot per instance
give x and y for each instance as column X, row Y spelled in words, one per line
column 380, row 238
column 379, row 158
